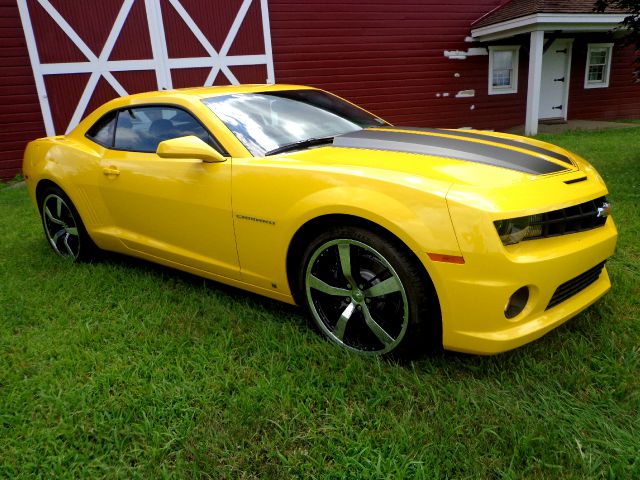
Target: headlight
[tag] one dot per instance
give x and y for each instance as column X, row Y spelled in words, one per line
column 577, row 218
column 515, row 230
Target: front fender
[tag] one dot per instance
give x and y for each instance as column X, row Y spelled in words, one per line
column 272, row 204
column 422, row 223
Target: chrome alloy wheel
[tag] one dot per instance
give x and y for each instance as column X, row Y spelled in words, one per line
column 60, row 226
column 356, row 297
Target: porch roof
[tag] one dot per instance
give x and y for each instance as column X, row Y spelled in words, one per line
column 523, row 16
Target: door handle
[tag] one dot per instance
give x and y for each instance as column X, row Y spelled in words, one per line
column 111, row 171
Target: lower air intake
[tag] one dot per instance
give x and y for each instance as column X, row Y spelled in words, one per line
column 575, row 285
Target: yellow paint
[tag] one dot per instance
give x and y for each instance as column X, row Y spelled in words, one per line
column 233, row 220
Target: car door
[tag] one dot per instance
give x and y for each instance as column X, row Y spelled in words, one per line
column 173, row 209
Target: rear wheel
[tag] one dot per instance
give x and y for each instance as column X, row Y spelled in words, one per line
column 368, row 295
column 63, row 227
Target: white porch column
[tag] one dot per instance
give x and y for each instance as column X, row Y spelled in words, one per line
column 535, row 78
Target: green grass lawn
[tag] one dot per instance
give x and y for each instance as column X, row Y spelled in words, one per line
column 123, row 369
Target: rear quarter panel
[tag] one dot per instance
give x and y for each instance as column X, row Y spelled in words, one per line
column 71, row 165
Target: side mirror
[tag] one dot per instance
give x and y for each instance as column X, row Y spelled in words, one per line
column 189, row 147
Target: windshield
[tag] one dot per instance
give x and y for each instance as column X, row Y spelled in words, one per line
column 265, row 122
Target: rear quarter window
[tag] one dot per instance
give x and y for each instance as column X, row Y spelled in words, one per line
column 102, row 131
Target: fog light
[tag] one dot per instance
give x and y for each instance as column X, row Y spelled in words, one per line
column 517, row 302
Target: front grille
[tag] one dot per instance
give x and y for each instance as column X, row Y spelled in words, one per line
column 577, row 218
column 575, row 285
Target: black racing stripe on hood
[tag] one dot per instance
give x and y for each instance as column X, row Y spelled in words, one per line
column 504, row 141
column 379, row 139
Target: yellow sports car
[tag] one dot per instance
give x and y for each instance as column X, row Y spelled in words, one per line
column 394, row 239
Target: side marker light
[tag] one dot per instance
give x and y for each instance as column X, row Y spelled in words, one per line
column 438, row 257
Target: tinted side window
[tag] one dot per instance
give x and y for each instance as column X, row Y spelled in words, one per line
column 102, row 131
column 141, row 129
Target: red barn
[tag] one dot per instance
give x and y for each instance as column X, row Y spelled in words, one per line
column 482, row 64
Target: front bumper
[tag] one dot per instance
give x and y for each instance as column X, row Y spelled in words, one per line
column 473, row 295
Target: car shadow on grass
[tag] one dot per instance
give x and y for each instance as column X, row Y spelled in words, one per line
column 171, row 275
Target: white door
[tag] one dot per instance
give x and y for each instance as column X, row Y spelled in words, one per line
column 554, row 88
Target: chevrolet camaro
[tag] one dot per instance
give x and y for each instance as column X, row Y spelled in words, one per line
column 395, row 239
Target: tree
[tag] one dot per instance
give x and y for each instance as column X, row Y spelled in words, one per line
column 631, row 24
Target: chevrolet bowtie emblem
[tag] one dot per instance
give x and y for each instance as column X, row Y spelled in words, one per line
column 604, row 210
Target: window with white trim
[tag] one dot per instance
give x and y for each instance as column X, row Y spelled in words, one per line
column 598, row 67
column 503, row 69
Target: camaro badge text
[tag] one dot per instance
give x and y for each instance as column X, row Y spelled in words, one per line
column 604, row 210
column 255, row 219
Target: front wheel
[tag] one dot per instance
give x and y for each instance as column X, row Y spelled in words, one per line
column 63, row 227
column 367, row 294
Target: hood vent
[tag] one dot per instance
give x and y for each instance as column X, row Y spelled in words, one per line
column 575, row 180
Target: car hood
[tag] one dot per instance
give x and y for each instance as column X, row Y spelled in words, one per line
column 463, row 157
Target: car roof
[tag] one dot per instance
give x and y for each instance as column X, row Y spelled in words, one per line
column 185, row 94
column 205, row 92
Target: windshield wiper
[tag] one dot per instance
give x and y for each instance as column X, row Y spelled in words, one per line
column 309, row 142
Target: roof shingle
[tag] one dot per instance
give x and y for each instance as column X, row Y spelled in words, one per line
column 520, row 8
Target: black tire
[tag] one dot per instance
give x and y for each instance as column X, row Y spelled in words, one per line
column 367, row 293
column 63, row 227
